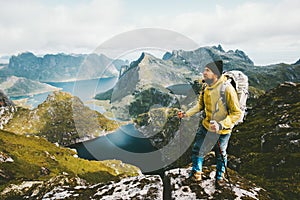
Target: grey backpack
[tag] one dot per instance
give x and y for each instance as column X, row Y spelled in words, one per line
column 240, row 82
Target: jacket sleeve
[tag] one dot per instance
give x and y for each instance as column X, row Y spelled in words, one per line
column 233, row 107
column 198, row 107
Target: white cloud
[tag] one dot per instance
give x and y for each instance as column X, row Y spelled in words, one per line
column 260, row 28
column 266, row 27
column 30, row 25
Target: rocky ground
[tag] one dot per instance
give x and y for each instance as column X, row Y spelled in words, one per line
column 174, row 185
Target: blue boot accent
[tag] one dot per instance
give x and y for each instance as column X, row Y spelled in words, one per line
column 220, row 168
column 197, row 163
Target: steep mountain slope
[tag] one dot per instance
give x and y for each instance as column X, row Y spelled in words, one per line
column 15, row 86
column 267, row 144
column 61, row 67
column 61, row 118
column 143, row 85
column 33, row 161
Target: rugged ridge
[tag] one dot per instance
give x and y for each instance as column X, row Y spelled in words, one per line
column 61, row 67
column 260, row 77
column 61, row 118
column 197, row 59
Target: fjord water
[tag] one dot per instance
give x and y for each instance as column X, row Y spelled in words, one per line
column 125, row 144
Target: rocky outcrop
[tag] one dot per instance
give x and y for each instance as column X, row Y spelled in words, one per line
column 4, row 100
column 61, row 118
column 7, row 109
column 140, row 187
column 178, row 186
column 68, row 187
column 5, row 158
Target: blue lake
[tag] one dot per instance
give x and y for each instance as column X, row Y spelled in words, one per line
column 126, row 144
column 84, row 89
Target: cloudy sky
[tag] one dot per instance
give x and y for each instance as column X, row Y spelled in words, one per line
column 268, row 31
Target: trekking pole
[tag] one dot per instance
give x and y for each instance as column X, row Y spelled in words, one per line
column 180, row 145
column 226, row 171
column 180, row 119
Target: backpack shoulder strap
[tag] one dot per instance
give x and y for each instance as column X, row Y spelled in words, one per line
column 222, row 97
column 222, row 92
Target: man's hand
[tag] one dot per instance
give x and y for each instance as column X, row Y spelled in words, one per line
column 215, row 126
column 181, row 114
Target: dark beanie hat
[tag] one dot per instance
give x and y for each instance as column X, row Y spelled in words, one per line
column 216, row 67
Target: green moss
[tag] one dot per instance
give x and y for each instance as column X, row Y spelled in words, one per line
column 267, row 144
column 30, row 154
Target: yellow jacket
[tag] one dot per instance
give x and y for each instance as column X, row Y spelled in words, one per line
column 227, row 117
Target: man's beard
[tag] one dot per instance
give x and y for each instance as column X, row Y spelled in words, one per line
column 209, row 81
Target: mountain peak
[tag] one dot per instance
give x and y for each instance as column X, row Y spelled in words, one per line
column 297, row 63
column 145, row 60
column 219, row 48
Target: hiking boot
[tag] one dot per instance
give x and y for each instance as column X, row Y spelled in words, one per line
column 219, row 184
column 195, row 176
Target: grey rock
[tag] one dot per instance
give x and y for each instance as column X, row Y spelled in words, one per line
column 180, row 187
column 5, row 158
column 7, row 109
column 65, row 186
column 140, row 187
